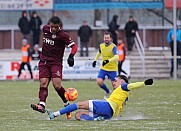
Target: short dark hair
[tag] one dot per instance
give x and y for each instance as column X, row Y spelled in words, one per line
column 55, row 20
column 34, row 12
column 108, row 33
column 124, row 78
column 131, row 16
column 24, row 11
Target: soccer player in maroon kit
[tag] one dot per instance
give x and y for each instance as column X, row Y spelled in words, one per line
column 50, row 66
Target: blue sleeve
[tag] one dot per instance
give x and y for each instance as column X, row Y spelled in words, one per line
column 179, row 35
column 115, row 51
column 169, row 36
column 124, row 87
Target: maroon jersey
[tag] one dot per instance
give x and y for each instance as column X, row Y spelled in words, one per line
column 54, row 44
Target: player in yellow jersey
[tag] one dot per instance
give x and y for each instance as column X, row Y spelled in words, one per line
column 109, row 66
column 103, row 109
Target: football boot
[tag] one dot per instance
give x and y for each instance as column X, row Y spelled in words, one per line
column 38, row 107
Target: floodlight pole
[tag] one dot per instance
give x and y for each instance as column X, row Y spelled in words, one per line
column 175, row 43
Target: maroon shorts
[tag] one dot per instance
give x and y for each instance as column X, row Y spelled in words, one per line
column 50, row 69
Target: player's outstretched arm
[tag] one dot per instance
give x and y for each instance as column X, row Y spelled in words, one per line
column 136, row 85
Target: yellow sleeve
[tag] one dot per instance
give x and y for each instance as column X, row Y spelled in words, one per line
column 97, row 56
column 135, row 85
column 115, row 58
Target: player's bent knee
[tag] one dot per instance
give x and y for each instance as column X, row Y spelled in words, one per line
column 99, row 81
column 44, row 82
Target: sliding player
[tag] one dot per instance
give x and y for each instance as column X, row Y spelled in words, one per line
column 103, row 109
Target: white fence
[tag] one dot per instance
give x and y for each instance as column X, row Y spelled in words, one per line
column 82, row 70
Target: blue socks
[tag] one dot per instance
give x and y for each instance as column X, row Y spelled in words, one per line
column 85, row 117
column 68, row 109
column 104, row 87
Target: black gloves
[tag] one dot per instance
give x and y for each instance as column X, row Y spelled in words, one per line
column 94, row 64
column 149, row 81
column 70, row 60
column 105, row 62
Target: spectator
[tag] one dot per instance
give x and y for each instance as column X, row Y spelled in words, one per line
column 24, row 25
column 131, row 27
column 35, row 23
column 84, row 32
column 113, row 28
column 170, row 39
column 35, row 53
column 122, row 54
column 26, row 57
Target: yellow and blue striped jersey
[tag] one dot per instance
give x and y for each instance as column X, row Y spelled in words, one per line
column 107, row 53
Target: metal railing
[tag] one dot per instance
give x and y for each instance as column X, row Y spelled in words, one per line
column 141, row 51
column 144, row 29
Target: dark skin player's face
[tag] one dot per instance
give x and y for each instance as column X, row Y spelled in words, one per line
column 54, row 27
